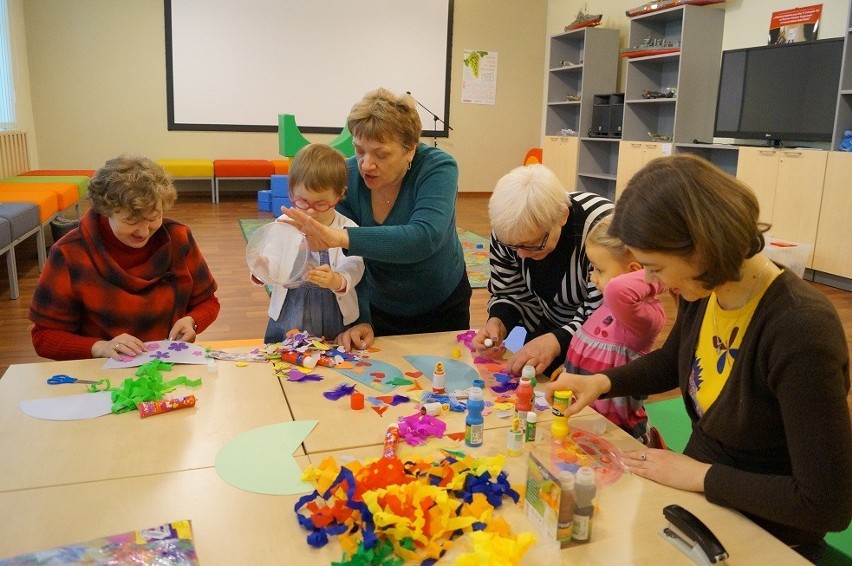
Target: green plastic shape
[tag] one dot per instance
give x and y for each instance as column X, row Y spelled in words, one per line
column 291, row 140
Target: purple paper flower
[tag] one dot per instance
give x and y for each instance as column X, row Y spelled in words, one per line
column 178, row 346
column 160, row 355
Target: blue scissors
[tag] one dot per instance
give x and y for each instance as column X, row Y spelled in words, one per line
column 63, row 378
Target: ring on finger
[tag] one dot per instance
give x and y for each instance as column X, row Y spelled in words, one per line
column 643, row 457
column 116, row 347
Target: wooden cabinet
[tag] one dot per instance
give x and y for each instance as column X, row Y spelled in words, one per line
column 632, row 156
column 559, row 154
column 833, row 250
column 789, row 187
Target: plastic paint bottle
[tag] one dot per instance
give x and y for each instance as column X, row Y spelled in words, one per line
column 529, row 372
column 523, row 403
column 561, row 402
column 532, row 427
column 474, row 423
column 565, row 522
column 439, row 379
column 584, row 504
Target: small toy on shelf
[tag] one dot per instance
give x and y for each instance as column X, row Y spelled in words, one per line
column 584, row 20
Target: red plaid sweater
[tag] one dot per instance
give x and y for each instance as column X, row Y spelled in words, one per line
column 84, row 295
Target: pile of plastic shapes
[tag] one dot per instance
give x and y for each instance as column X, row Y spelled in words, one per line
column 390, row 511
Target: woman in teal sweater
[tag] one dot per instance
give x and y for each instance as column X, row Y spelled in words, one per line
column 402, row 195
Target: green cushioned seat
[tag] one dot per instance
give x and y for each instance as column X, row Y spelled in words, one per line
column 79, row 180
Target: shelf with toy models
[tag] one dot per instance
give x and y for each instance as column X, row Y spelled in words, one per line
column 666, row 90
column 843, row 116
column 581, row 63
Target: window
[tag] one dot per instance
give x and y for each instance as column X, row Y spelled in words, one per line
column 7, row 89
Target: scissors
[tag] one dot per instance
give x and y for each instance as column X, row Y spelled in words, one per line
column 63, row 378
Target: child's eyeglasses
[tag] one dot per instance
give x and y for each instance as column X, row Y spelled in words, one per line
column 318, row 205
column 528, row 248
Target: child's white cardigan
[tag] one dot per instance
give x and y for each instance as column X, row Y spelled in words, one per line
column 351, row 268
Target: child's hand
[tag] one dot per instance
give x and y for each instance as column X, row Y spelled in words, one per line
column 323, row 276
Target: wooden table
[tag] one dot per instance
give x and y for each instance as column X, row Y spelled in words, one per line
column 66, row 482
column 39, row 453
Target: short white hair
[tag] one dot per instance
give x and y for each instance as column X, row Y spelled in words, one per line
column 528, row 199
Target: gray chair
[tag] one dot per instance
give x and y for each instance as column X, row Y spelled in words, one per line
column 20, row 220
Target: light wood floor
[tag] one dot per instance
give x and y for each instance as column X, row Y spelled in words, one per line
column 243, row 314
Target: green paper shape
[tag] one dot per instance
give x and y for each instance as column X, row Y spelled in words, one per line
column 261, row 460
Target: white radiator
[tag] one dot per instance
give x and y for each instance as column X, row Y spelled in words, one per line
column 14, row 158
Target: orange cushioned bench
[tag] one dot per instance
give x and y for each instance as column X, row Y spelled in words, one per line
column 67, row 194
column 190, row 170
column 240, row 169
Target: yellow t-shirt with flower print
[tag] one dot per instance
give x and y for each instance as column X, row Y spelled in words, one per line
column 718, row 345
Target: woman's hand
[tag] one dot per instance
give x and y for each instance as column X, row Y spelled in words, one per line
column 668, row 468
column 495, row 331
column 359, row 336
column 324, row 277
column 122, row 346
column 585, row 388
column 319, row 236
column 183, row 330
column 538, row 352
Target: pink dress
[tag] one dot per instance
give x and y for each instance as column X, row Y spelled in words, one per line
column 623, row 328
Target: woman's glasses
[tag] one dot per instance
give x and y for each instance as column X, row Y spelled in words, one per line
column 529, row 248
column 318, row 205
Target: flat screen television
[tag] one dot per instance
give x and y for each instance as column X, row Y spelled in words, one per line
column 779, row 93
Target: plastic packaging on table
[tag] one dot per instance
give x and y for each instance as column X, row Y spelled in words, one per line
column 391, row 440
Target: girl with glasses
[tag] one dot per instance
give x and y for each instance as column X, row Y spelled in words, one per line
column 327, row 303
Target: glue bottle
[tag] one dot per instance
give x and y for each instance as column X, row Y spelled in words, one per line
column 474, row 423
column 515, row 441
column 531, row 432
column 584, row 504
column 439, row 379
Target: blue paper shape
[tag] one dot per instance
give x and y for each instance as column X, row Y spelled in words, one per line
column 375, row 366
column 459, row 374
column 515, row 340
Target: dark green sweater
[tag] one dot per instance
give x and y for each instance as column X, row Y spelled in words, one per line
column 414, row 260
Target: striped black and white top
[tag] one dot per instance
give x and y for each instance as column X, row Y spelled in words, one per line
column 552, row 294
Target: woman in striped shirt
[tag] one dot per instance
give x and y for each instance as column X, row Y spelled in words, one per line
column 539, row 269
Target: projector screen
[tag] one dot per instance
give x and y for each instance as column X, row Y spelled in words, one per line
column 235, row 65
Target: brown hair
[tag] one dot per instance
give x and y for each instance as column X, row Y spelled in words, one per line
column 318, row 167
column 381, row 116
column 133, row 184
column 682, row 205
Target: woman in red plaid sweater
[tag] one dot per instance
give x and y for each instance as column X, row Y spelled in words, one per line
column 126, row 275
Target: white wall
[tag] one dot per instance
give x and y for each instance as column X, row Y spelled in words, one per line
column 97, row 86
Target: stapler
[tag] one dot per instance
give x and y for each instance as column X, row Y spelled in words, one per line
column 692, row 537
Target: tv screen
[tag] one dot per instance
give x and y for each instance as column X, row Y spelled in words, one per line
column 779, row 92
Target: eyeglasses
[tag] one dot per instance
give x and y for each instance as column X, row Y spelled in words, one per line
column 528, row 248
column 318, row 205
